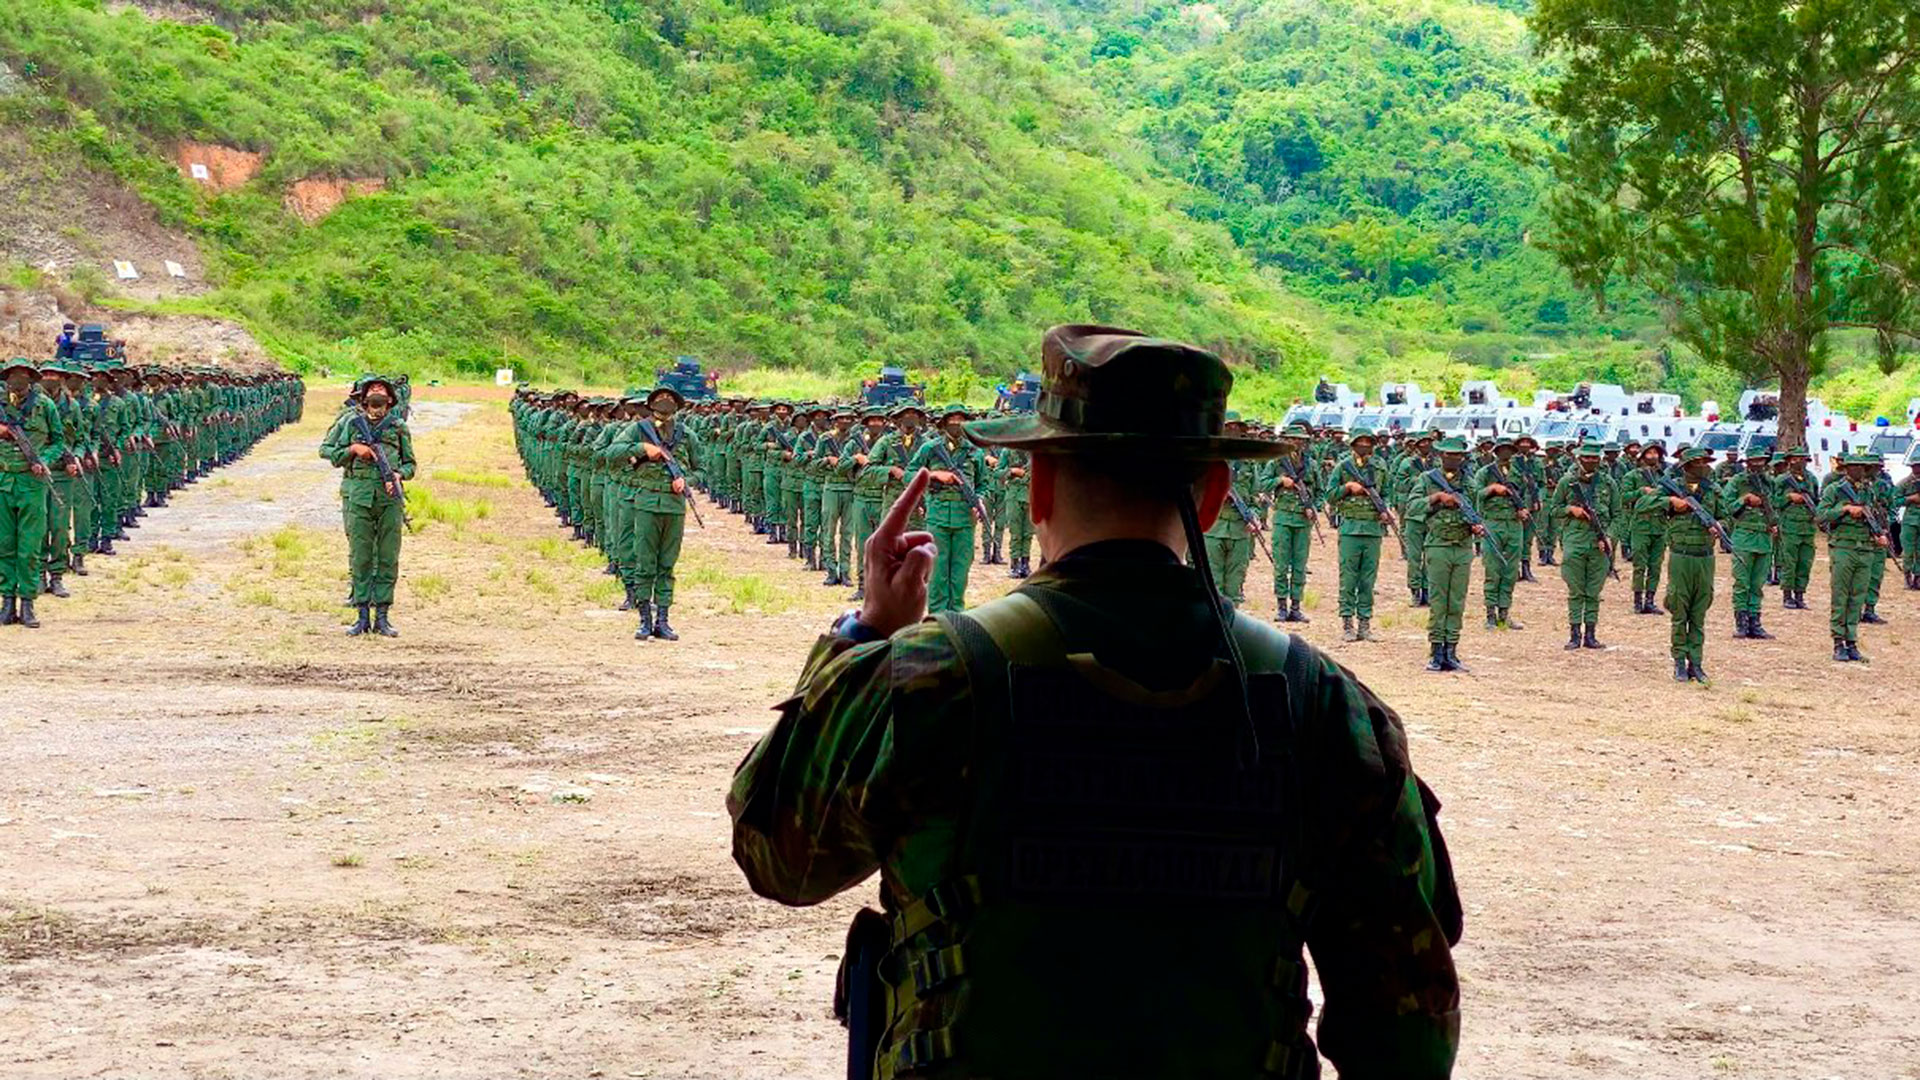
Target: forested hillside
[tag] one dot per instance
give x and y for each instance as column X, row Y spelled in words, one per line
column 576, row 183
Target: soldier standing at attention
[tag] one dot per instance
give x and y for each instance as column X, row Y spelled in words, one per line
column 1362, row 527
column 1534, row 492
column 1552, row 470
column 1748, row 496
column 1690, row 558
column 1908, row 496
column 835, row 453
column 1295, row 502
column 80, row 418
column 1449, row 551
column 1852, row 548
column 1646, row 543
column 1230, row 540
column 869, row 480
column 902, row 748
column 659, row 469
column 1015, row 467
column 951, row 459
column 1409, row 496
column 1880, row 496
column 65, row 481
column 1503, row 506
column 374, row 510
column 32, row 441
column 1796, row 500
column 1585, row 499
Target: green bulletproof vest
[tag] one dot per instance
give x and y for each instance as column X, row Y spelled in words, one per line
column 1125, row 901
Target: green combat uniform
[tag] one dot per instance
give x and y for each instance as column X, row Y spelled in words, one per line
column 870, row 481
column 1753, row 528
column 1908, row 496
column 1362, row 530
column 1646, row 529
column 1231, row 538
column 1853, row 550
column 1016, row 469
column 1294, row 507
column 1690, row 562
column 1587, row 546
column 1506, row 528
column 374, row 516
column 950, row 514
column 839, row 470
column 1798, row 525
column 1449, row 551
column 1070, row 811
column 1408, row 493
column 34, row 442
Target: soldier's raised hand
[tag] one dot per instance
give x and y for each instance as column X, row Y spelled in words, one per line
column 899, row 563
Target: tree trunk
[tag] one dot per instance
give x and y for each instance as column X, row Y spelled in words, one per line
column 1795, row 374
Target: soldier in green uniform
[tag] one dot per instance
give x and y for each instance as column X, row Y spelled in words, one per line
column 951, row 459
column 1447, row 490
column 869, row 480
column 374, row 510
column 1528, row 474
column 65, row 480
column 835, row 455
column 993, row 533
column 1880, row 496
column 1584, row 501
column 1796, row 501
column 1748, row 496
column 1690, row 557
column 1231, row 538
column 890, row 459
column 1646, row 545
column 32, row 442
column 897, row 754
column 1846, row 509
column 1409, row 496
column 1014, row 469
column 748, row 447
column 661, row 464
column 1295, row 500
column 1503, row 506
column 1908, row 496
column 1552, row 470
column 79, row 417
column 1355, row 484
column 793, row 465
column 812, row 470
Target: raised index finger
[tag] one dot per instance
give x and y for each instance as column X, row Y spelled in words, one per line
column 896, row 520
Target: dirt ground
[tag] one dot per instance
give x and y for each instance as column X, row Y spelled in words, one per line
column 234, row 843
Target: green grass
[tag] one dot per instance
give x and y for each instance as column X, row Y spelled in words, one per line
column 471, row 479
column 425, row 505
column 430, row 586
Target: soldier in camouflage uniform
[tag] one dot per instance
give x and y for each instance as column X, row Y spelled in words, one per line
column 1362, row 529
column 956, row 465
column 32, row 442
column 1503, row 504
column 1690, row 558
column 1796, row 501
column 1908, row 501
column 1230, row 540
column 1584, row 501
column 1846, row 510
column 898, row 753
column 1015, row 467
column 1290, row 489
column 1646, row 545
column 1449, row 543
column 1748, row 496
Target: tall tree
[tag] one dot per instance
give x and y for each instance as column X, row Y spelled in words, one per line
column 1753, row 162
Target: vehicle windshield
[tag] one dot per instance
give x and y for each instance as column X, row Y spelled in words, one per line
column 1371, row 420
column 1447, row 423
column 1892, row 444
column 1763, row 442
column 1720, row 440
column 1592, row 431
column 1913, row 456
column 1329, row 417
column 1554, row 428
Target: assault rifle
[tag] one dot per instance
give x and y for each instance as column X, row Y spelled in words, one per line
column 966, row 489
column 1379, row 504
column 1874, row 525
column 1593, row 518
column 363, row 433
column 1766, row 501
column 1513, row 496
column 652, row 435
column 1472, row 516
column 1247, row 515
column 1673, row 488
column 17, row 432
column 1300, row 485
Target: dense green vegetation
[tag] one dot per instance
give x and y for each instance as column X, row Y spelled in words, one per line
column 820, row 183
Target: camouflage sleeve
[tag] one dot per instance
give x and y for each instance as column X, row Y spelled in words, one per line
column 872, row 740
column 1387, row 907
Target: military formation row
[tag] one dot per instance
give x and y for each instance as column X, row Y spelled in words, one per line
column 88, row 447
column 1594, row 507
column 815, row 478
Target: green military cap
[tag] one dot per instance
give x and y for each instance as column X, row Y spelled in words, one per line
column 1504, row 443
column 1108, row 391
column 1863, row 458
column 1756, row 452
column 1423, row 436
column 1452, row 444
column 954, row 410
column 17, row 363
column 1694, row 453
column 679, row 401
column 903, row 408
column 1362, row 431
column 57, row 367
column 845, row 412
column 1794, row 452
column 1297, row 430
column 1590, row 449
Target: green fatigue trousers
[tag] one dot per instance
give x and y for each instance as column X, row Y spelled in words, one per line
column 1230, row 556
column 1496, row 583
column 1750, row 572
column 1528, row 530
column 1876, row 574
column 1584, row 569
column 836, row 528
column 752, row 494
column 1548, row 536
column 996, row 504
column 1689, row 598
column 80, row 503
column 620, row 530
column 1019, row 526
column 23, row 533
column 656, row 550
column 1449, row 567
column 1359, row 567
column 1415, row 533
column 947, row 590
column 1290, row 561
column 1909, row 540
column 866, row 518
column 774, row 493
column 60, row 501
column 373, row 548
column 1648, row 542
column 1796, row 562
column 1851, row 572
column 106, row 501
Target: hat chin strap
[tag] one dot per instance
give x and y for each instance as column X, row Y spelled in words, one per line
column 1248, row 744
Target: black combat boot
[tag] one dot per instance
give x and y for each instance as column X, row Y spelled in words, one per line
column 1298, row 615
column 645, row 629
column 859, row 592
column 1756, row 631
column 129, row 520
column 774, row 533
column 1509, row 622
column 1654, row 608
column 1526, row 571
column 1840, row 653
column 1453, row 658
column 1740, row 624
column 759, row 527
column 660, row 628
column 26, row 614
column 380, row 624
column 1573, row 638
column 106, row 547
column 1013, row 569
column 1872, row 617
column 1681, row 672
column 1853, row 652
column 1697, row 672
column 1365, row 630
column 1437, row 657
column 9, row 611
column 77, row 562
column 1773, row 577
column 1592, row 639
column 1426, row 597
column 360, row 625
column 1346, row 628
column 55, row 588
column 1493, row 618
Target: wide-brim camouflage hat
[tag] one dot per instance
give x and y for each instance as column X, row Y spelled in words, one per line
column 1110, row 392
column 1589, row 449
column 1865, row 458
column 1452, row 444
column 1695, row 453
column 679, row 401
column 17, row 363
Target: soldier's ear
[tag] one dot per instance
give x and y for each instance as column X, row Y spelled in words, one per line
column 1213, row 493
column 1040, row 478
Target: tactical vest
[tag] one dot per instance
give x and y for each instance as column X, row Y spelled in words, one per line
column 1126, row 900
